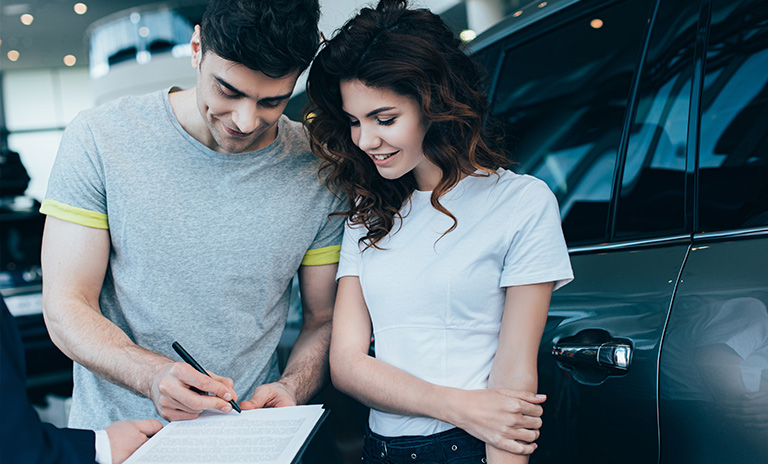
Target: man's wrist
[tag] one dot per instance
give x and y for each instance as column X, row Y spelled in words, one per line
column 289, row 384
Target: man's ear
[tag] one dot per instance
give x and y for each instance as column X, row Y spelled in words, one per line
column 196, row 47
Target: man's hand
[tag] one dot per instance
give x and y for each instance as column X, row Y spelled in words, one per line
column 271, row 395
column 125, row 437
column 505, row 419
column 174, row 398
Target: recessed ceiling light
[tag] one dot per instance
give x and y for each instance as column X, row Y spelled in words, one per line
column 467, row 35
column 80, row 8
column 143, row 57
column 517, row 13
column 596, row 23
column 26, row 19
column 70, row 60
column 13, row 55
column 144, row 31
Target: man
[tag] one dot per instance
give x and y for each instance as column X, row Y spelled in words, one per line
column 183, row 215
column 27, row 439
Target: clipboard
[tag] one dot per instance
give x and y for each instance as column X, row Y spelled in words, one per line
column 258, row 436
column 311, row 435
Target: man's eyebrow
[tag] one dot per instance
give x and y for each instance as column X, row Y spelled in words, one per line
column 229, row 86
column 243, row 94
column 278, row 98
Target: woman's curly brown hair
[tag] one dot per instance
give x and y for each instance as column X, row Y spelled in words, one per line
column 413, row 53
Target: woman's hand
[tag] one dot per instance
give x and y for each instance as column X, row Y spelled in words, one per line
column 503, row 418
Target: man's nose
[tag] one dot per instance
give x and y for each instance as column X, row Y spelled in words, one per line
column 246, row 117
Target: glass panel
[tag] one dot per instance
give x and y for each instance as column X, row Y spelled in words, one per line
column 561, row 98
column 733, row 152
column 652, row 200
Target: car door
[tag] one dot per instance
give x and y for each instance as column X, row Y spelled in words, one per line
column 612, row 144
column 714, row 360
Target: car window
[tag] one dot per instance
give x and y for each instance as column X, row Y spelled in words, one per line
column 733, row 150
column 652, row 198
column 561, row 99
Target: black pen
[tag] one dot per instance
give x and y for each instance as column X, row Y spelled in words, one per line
column 189, row 360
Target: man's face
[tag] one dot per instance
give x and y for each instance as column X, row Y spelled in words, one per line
column 240, row 106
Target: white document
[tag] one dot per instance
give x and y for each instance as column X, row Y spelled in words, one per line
column 273, row 435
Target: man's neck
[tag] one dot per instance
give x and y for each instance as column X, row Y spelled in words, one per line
column 184, row 106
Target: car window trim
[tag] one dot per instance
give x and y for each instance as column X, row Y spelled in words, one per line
column 629, row 117
column 631, row 244
column 731, row 234
column 695, row 113
column 671, row 240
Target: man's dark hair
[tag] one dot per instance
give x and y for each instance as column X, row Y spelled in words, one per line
column 276, row 37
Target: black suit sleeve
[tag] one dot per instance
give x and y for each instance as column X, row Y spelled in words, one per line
column 25, row 438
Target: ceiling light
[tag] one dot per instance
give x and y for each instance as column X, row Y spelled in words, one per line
column 467, row 35
column 13, row 55
column 542, row 4
column 596, row 23
column 517, row 13
column 143, row 57
column 144, row 31
column 70, row 60
column 26, row 19
column 80, row 8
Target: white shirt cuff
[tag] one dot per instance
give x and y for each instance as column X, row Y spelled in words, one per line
column 103, row 450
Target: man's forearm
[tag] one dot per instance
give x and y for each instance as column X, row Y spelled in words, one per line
column 306, row 371
column 93, row 341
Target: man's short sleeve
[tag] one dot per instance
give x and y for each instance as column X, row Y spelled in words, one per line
column 76, row 188
column 327, row 245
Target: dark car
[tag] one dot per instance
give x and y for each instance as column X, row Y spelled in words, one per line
column 649, row 121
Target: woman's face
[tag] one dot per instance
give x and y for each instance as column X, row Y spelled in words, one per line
column 390, row 129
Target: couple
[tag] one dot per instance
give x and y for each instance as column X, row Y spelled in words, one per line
column 182, row 215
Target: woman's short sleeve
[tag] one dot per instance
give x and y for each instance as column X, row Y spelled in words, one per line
column 537, row 251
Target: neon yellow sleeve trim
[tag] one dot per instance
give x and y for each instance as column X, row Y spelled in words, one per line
column 84, row 217
column 320, row 256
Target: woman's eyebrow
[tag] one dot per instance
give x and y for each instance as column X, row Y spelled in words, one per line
column 379, row 110
column 374, row 112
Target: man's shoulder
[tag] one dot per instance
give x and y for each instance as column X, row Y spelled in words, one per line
column 293, row 133
column 127, row 104
column 293, row 145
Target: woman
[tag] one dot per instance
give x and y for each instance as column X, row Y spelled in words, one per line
column 449, row 258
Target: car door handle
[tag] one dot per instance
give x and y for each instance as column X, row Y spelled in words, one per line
column 611, row 355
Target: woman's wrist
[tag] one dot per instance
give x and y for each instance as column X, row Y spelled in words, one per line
column 446, row 402
column 497, row 456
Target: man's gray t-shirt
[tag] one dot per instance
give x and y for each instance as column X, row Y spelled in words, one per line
column 204, row 244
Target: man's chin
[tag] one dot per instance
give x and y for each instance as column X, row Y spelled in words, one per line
column 234, row 145
column 237, row 145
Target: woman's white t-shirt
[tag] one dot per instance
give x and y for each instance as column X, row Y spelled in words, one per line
column 436, row 302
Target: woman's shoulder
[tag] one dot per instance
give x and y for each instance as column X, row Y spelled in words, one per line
column 505, row 185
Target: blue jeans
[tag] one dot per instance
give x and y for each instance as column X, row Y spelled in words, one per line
column 453, row 446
